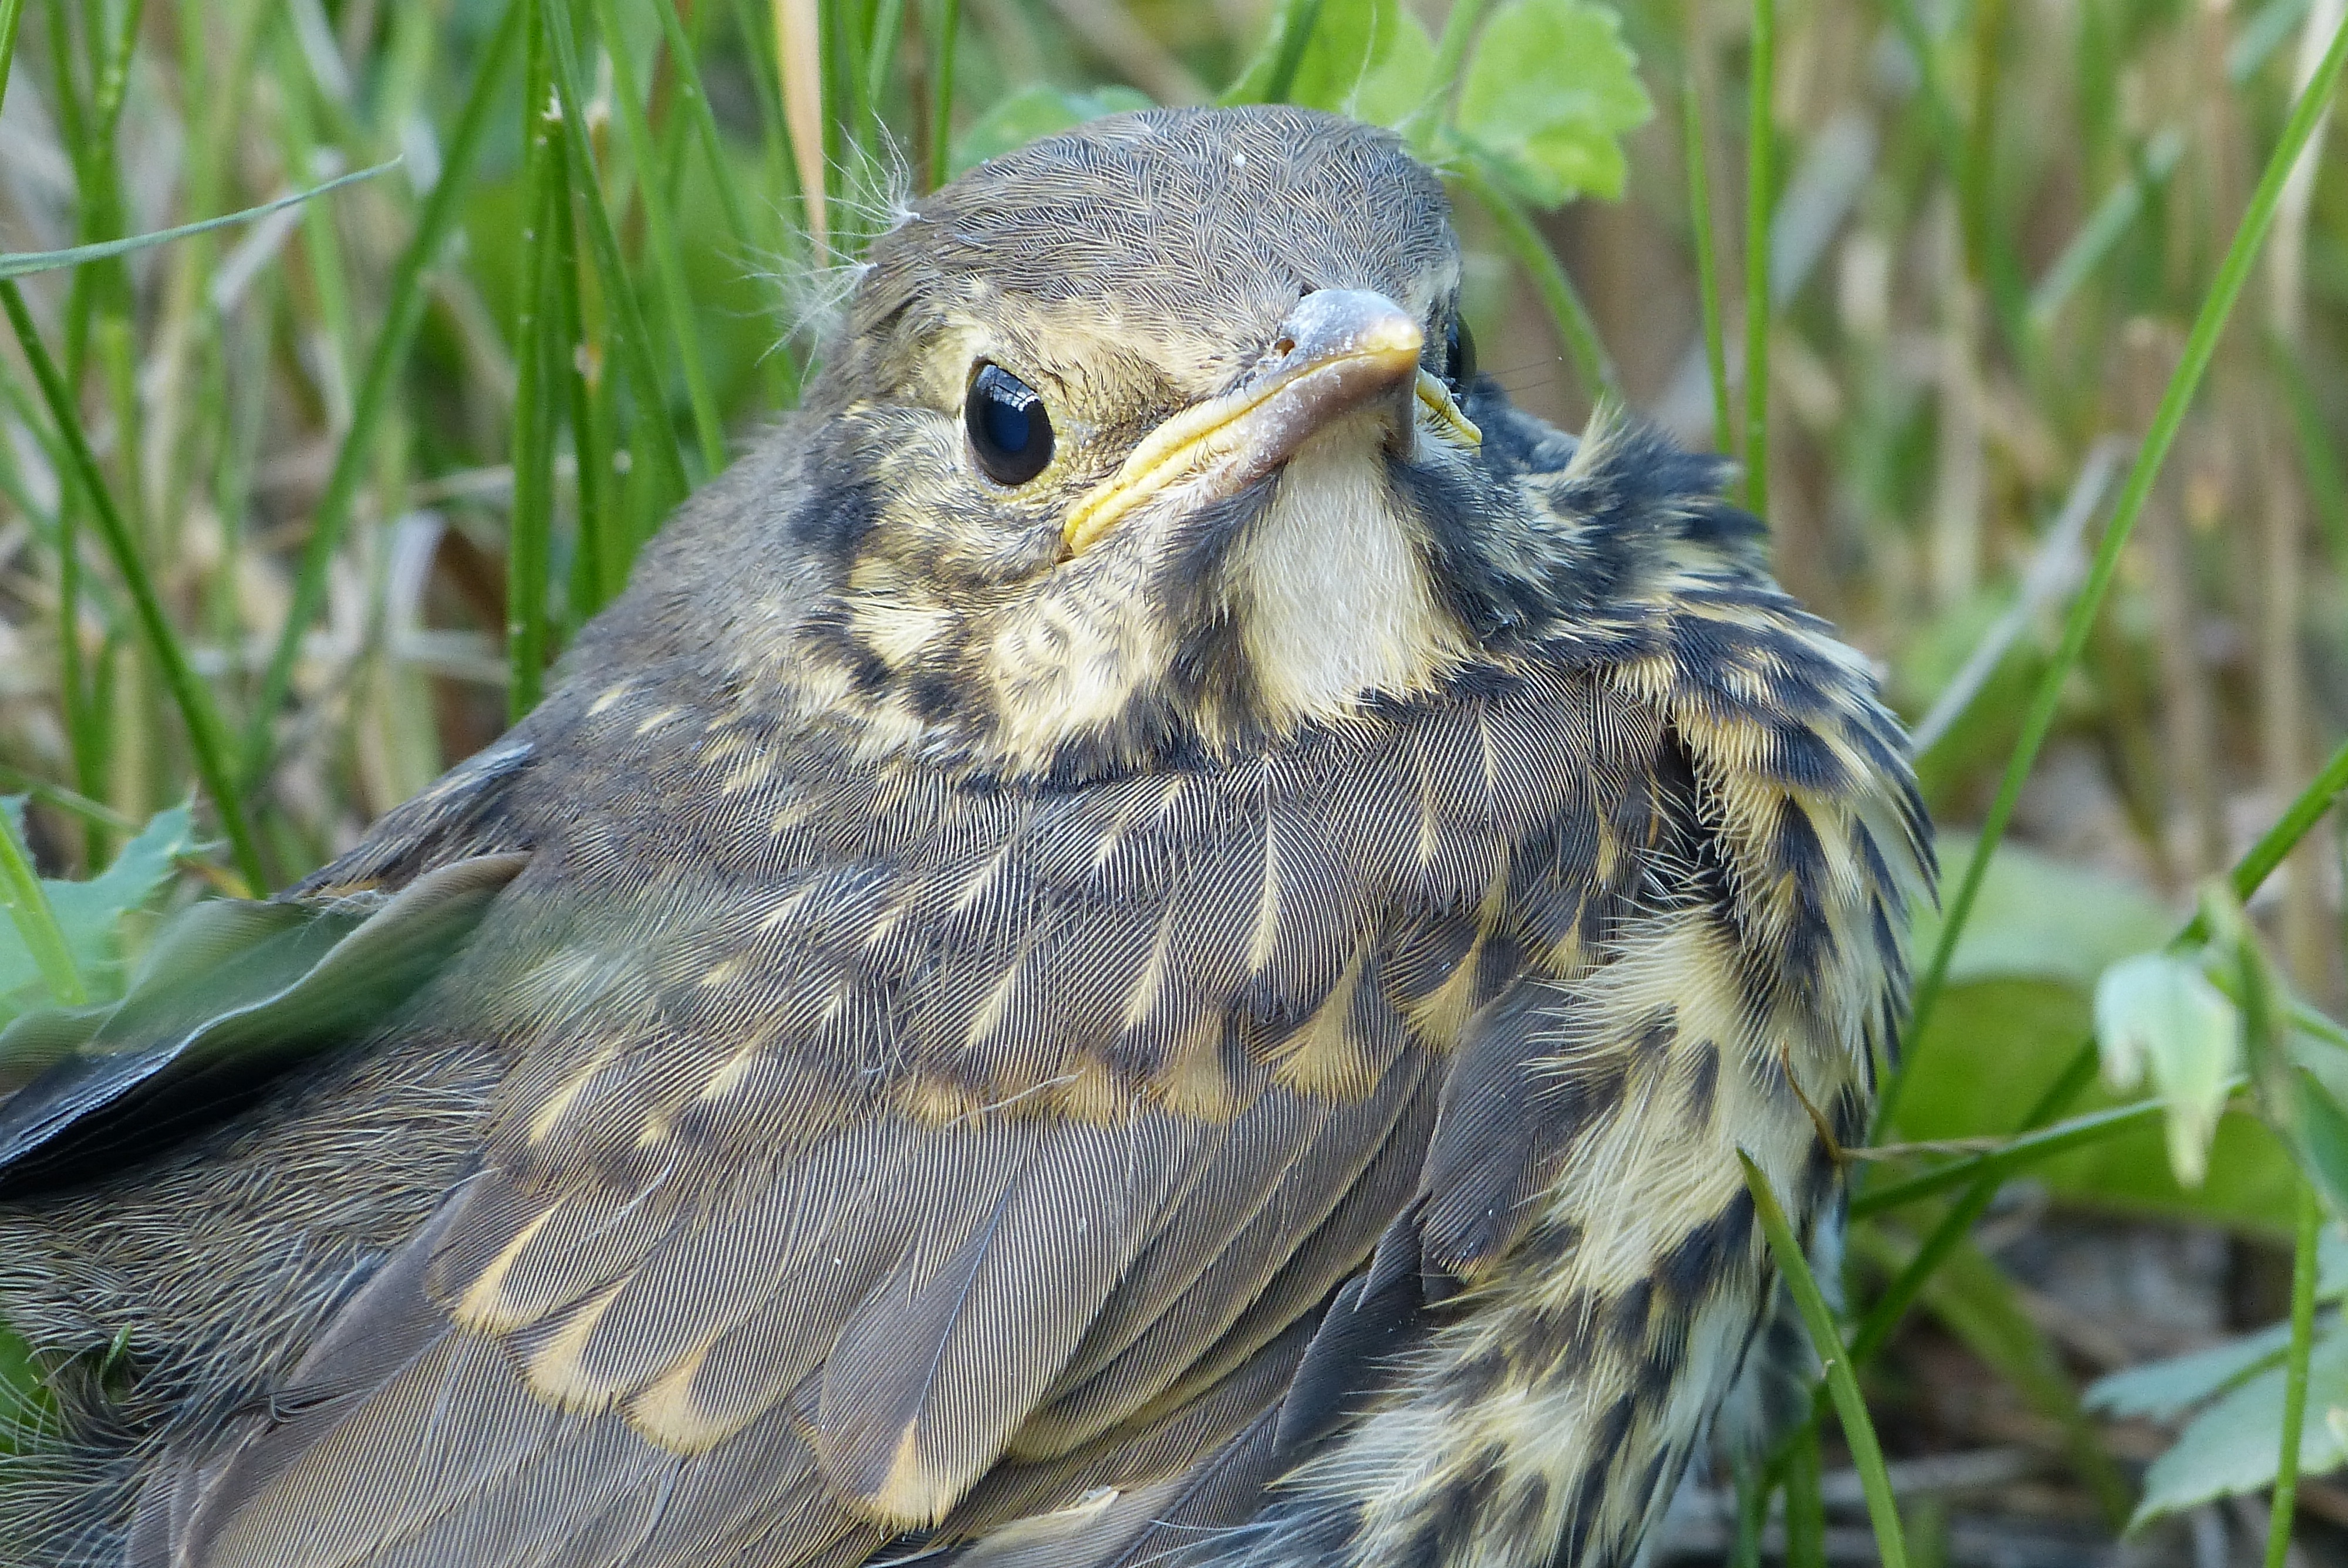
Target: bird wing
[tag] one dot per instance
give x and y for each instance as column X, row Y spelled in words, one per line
column 970, row 1151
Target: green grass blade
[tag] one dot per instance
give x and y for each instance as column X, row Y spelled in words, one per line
column 1299, row 18
column 942, row 91
column 655, row 442
column 660, row 234
column 35, row 922
column 20, row 263
column 704, row 124
column 194, row 703
column 1707, row 264
column 2309, row 1218
column 1857, row 1431
column 2104, row 228
column 546, row 198
column 373, row 404
column 1531, row 253
column 2200, row 347
column 2025, row 1149
column 1806, row 1503
column 1759, row 181
column 12, row 12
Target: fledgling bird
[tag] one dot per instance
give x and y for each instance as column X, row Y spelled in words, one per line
column 1147, row 938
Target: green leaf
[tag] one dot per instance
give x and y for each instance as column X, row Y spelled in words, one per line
column 2163, row 1390
column 2038, row 917
column 17, row 264
column 1548, row 93
column 1016, row 120
column 1370, row 59
column 2159, row 1011
column 2232, row 1448
column 89, row 913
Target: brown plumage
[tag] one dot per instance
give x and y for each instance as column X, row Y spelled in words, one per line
column 1191, row 993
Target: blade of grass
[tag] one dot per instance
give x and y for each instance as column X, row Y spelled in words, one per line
column 194, row 703
column 1806, row 1505
column 2201, row 345
column 1459, row 24
column 2025, row 1149
column 1297, row 22
column 20, row 263
column 1759, row 179
column 2309, row 1219
column 2105, row 227
column 660, row 235
column 1707, row 265
column 371, row 406
column 546, row 198
column 1532, row 255
column 704, row 125
column 1857, row 1431
column 35, row 922
column 655, row 442
column 941, row 90
column 12, row 12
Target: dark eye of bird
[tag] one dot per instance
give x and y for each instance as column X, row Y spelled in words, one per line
column 1458, row 354
column 1008, row 428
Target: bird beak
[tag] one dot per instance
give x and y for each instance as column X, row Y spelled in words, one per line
column 1339, row 350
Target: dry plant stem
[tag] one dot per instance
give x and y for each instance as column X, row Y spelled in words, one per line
column 2201, row 345
column 1759, row 179
column 372, row 406
column 798, row 49
column 204, row 737
column 2309, row 1222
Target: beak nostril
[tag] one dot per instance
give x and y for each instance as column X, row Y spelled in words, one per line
column 1283, row 346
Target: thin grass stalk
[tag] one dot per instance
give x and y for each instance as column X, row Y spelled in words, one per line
column 881, row 60
column 1296, row 31
column 2199, row 346
column 1857, row 1431
column 12, row 13
column 595, row 574
column 1459, row 25
column 941, row 90
column 1760, row 178
column 35, row 922
column 204, row 737
column 2309, row 1223
column 2023, row 1149
column 660, row 234
column 1755, row 1484
column 655, row 445
column 1575, row 328
column 1707, row 264
column 704, row 124
column 1806, row 1503
column 369, row 408
column 530, row 524
column 23, row 263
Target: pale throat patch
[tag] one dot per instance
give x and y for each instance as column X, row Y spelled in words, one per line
column 1336, row 601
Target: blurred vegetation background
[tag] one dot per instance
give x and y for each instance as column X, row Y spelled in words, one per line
column 294, row 512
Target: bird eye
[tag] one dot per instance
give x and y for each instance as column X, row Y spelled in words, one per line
column 1458, row 355
column 1008, row 428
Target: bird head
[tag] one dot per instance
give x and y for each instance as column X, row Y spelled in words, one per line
column 1147, row 436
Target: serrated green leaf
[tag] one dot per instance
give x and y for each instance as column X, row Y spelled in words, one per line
column 1370, row 59
column 2232, row 1446
column 89, row 913
column 1023, row 117
column 2158, row 1011
column 1547, row 95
